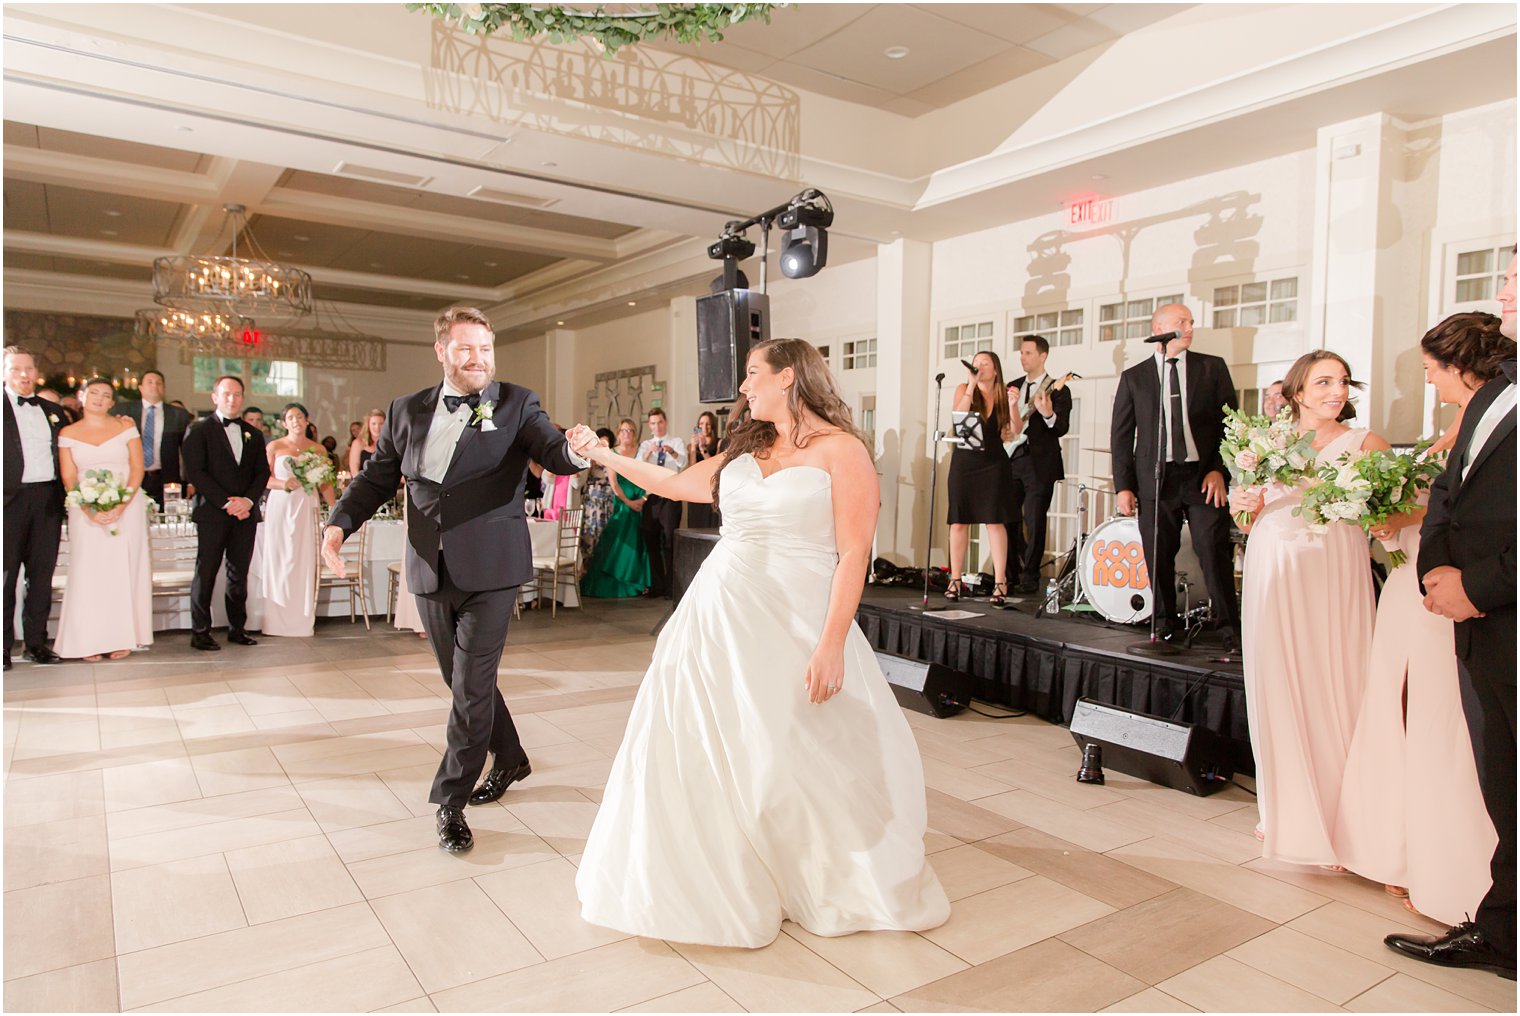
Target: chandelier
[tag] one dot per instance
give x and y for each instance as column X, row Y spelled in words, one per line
column 199, row 331
column 233, row 287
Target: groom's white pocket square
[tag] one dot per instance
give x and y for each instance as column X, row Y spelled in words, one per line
column 486, row 426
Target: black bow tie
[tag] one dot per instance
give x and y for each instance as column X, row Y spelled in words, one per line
column 29, row 400
column 453, row 402
column 232, row 423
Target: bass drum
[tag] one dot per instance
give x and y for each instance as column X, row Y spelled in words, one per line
column 1114, row 575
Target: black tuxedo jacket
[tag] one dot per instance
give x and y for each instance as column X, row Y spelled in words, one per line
column 173, row 423
column 217, row 476
column 1132, row 439
column 473, row 519
column 1470, row 525
column 1043, row 449
column 13, row 459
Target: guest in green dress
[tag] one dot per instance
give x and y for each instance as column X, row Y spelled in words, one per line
column 620, row 564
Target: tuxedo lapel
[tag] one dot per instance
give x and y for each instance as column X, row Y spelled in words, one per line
column 1496, row 437
column 417, row 431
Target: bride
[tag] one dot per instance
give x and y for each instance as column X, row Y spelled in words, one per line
column 767, row 773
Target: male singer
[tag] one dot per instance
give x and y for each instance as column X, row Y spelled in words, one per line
column 1193, row 389
column 1037, row 465
column 661, row 517
column 162, row 427
column 33, row 504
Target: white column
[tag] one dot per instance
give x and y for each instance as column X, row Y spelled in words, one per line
column 680, row 395
column 903, row 276
column 561, row 401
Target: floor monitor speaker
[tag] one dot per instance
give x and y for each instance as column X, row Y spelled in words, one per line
column 926, row 687
column 729, row 324
column 1177, row 755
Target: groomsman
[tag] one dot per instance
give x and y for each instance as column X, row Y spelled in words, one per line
column 1037, row 465
column 162, row 427
column 1467, row 568
column 224, row 459
column 661, row 517
column 33, row 504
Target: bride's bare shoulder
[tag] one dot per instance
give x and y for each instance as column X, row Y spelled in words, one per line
column 840, row 448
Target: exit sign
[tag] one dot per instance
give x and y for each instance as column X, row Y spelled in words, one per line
column 1089, row 210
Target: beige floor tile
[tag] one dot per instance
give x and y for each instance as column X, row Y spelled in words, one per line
column 1347, row 888
column 412, row 785
column 539, row 732
column 173, row 902
column 422, row 1004
column 1049, row 976
column 707, row 997
column 403, row 835
column 87, row 987
column 966, row 870
column 1208, row 837
column 453, row 934
column 935, row 841
column 1086, row 828
column 1238, row 885
column 540, row 900
column 361, row 982
column 307, row 720
column 141, row 734
column 350, row 801
column 150, row 783
column 966, row 822
column 266, row 696
column 1402, row 993
column 1208, row 808
column 784, row 976
column 1318, row 967
column 1166, row 935
column 1361, row 933
column 166, row 817
column 887, row 962
column 392, row 873
column 281, row 880
column 1087, row 871
column 212, row 721
column 559, row 815
column 55, row 852
column 1061, row 787
column 1010, row 917
column 43, row 735
column 201, row 964
column 399, row 693
column 199, row 695
column 963, row 753
column 213, row 838
column 1149, row 1000
column 1225, row 985
column 232, row 772
column 880, row 1007
column 959, row 783
column 361, row 763
column 352, row 744
column 54, row 798
column 63, row 924
column 598, row 980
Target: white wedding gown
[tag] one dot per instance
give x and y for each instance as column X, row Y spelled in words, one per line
column 735, row 803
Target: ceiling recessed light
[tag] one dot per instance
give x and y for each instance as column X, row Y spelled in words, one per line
column 284, row 254
column 895, row 52
column 466, row 278
column 376, row 264
column 633, row 303
column 489, row 264
column 298, row 238
column 549, row 165
column 559, row 322
column 1100, row 176
column 113, row 213
column 108, row 232
column 187, row 130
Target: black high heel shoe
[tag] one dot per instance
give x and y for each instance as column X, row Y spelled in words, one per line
column 953, row 591
column 1000, row 596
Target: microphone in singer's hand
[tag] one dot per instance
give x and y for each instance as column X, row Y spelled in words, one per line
column 968, row 366
column 1164, row 337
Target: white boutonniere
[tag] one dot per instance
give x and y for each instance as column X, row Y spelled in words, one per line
column 482, row 415
column 52, row 419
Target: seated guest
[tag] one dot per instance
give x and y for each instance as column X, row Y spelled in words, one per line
column 1036, row 462
column 620, row 566
column 363, row 448
column 162, row 427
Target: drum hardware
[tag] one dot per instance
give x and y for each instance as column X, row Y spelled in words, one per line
column 1068, row 575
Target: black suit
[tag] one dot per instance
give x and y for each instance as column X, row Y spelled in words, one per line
column 171, row 422
column 467, row 552
column 33, row 525
column 217, row 475
column 1470, row 525
column 1133, row 442
column 1037, row 468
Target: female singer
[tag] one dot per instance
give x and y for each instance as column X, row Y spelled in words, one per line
column 981, row 483
column 704, row 445
column 620, row 566
column 363, row 446
column 288, row 543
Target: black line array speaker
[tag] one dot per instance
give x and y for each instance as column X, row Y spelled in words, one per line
column 729, row 324
column 926, row 687
column 1177, row 755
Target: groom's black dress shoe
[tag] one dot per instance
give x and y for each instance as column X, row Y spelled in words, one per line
column 41, row 654
column 1462, row 946
column 203, row 641
column 497, row 781
column 453, row 831
column 241, row 638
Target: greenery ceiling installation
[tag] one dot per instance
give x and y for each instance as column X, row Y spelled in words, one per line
column 611, row 26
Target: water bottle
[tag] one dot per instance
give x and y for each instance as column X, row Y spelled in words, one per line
column 1052, row 597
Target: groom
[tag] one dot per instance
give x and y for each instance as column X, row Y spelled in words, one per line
column 464, row 448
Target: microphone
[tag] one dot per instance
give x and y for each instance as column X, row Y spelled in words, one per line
column 968, row 366
column 940, row 377
column 1164, row 337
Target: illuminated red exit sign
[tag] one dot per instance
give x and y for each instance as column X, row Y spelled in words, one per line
column 1088, row 210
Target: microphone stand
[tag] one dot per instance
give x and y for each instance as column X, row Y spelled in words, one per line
column 1156, row 646
column 939, row 391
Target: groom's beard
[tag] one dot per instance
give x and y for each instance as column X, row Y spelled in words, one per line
column 464, row 383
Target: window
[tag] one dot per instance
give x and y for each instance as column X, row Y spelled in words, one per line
column 1250, row 400
column 867, row 421
column 823, row 351
column 1256, row 303
column 962, row 342
column 859, row 354
column 1480, row 273
column 280, row 378
column 1060, row 327
column 1130, row 319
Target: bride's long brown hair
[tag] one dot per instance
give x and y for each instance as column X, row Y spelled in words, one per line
column 813, row 388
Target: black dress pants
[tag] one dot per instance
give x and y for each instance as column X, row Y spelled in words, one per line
column 33, row 526
column 658, row 523
column 1488, row 700
column 1181, row 499
column 216, row 539
column 153, row 486
column 1027, row 523
column 468, row 631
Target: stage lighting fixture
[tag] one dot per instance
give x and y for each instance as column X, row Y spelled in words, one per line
column 805, row 238
column 731, row 244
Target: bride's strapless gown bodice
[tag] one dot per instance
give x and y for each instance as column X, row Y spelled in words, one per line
column 289, row 565
column 734, row 802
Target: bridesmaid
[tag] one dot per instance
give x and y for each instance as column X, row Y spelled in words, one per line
column 289, row 538
column 620, row 566
column 981, row 480
column 1411, row 812
column 108, row 594
column 1307, row 608
column 598, row 500
column 704, row 445
column 363, row 447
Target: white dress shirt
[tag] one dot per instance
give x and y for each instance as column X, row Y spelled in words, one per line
column 675, row 452
column 234, row 435
column 1490, row 420
column 1166, row 401
column 36, row 441
column 157, row 409
column 443, row 435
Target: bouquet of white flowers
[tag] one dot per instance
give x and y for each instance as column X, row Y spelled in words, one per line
column 98, row 490
column 312, row 470
column 1368, row 488
column 1258, row 450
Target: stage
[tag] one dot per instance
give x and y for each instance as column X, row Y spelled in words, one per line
column 1043, row 665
